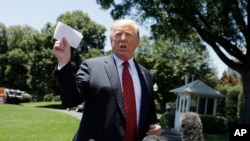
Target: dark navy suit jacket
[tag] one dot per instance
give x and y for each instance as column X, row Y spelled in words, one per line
column 97, row 84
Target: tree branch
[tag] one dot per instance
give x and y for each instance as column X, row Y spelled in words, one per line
column 239, row 18
column 231, row 49
column 207, row 37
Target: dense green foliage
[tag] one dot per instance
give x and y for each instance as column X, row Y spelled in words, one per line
column 167, row 120
column 26, row 59
column 229, row 107
column 169, row 62
column 210, row 122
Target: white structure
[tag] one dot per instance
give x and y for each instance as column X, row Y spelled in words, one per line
column 195, row 97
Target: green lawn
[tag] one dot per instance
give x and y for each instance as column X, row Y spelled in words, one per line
column 211, row 137
column 55, row 105
column 26, row 122
column 32, row 122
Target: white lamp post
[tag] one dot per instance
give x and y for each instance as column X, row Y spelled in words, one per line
column 155, row 87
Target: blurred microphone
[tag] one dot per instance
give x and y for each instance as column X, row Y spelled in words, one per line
column 154, row 138
column 191, row 127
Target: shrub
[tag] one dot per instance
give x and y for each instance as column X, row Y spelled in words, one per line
column 211, row 124
column 48, row 97
column 167, row 120
column 232, row 101
column 26, row 97
column 214, row 124
column 230, row 106
column 56, row 98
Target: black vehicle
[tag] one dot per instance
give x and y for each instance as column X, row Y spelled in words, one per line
column 13, row 96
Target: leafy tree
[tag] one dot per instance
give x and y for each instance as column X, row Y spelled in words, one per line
column 15, row 59
column 26, row 58
column 230, row 85
column 21, row 37
column 3, row 39
column 42, row 63
column 222, row 24
column 16, row 69
column 93, row 52
column 232, row 101
column 40, row 76
column 169, row 63
column 93, row 33
column 3, row 49
column 230, row 106
column 229, row 80
column 40, row 79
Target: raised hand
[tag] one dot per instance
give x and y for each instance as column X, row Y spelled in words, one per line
column 62, row 51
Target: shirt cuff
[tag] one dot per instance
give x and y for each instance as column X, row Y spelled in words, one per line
column 59, row 67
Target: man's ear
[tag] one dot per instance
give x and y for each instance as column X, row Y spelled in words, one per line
column 138, row 42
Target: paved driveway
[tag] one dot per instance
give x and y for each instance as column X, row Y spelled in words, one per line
column 78, row 115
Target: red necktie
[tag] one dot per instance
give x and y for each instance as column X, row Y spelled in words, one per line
column 129, row 104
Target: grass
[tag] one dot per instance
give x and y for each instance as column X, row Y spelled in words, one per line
column 33, row 122
column 26, row 122
column 211, row 137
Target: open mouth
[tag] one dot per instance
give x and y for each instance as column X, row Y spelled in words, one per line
column 123, row 46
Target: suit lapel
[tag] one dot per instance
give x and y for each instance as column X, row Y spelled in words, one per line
column 115, row 82
column 113, row 76
column 145, row 96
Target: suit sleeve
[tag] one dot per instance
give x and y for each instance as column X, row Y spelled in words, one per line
column 72, row 88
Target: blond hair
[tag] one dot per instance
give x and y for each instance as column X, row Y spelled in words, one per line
column 120, row 22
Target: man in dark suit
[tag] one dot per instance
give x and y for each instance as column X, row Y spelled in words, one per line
column 99, row 84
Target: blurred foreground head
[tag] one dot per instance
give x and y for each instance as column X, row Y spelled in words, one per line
column 154, row 138
column 191, row 127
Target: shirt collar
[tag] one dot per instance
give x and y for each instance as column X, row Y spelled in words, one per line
column 120, row 61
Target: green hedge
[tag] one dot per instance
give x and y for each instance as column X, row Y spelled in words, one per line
column 51, row 97
column 214, row 124
column 167, row 120
column 211, row 124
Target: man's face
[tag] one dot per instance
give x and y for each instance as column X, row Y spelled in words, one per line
column 124, row 41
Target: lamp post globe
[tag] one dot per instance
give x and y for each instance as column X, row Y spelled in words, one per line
column 155, row 87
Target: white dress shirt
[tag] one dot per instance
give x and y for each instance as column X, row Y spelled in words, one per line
column 136, row 81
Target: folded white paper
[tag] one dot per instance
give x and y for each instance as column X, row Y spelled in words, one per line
column 73, row 36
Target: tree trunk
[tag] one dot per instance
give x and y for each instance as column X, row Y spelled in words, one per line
column 245, row 107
